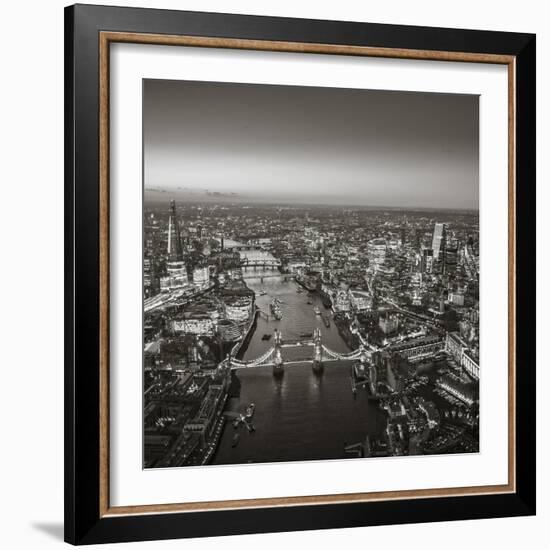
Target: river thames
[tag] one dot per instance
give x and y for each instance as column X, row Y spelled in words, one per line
column 300, row 415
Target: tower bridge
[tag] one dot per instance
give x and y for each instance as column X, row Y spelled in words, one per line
column 321, row 354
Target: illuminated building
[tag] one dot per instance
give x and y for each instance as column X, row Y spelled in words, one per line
column 176, row 277
column 456, row 298
column 201, row 276
column 376, row 253
column 201, row 325
column 150, row 279
column 458, row 348
column 457, row 389
column 341, row 301
column 360, row 300
column 439, row 241
column 426, row 260
column 238, row 309
column 228, row 330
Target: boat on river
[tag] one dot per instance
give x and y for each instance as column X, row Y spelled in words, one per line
column 276, row 309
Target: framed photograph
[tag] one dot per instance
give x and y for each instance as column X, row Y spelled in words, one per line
column 299, row 274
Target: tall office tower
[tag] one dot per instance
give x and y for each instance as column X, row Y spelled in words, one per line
column 426, row 260
column 175, row 266
column 450, row 260
column 175, row 246
column 439, row 241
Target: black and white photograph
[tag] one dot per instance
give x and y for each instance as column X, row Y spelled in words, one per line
column 310, row 273
column 275, row 275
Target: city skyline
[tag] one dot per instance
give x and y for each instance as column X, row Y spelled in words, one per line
column 291, row 334
column 259, row 143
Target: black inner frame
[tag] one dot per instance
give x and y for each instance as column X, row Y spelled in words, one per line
column 83, row 524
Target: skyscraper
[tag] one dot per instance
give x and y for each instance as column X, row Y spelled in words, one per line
column 175, row 246
column 175, row 266
column 451, row 260
column 439, row 241
column 426, row 260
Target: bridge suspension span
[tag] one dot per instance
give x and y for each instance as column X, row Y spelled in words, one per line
column 322, row 354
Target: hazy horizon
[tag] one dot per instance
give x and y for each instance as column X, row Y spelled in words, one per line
column 211, row 198
column 299, row 145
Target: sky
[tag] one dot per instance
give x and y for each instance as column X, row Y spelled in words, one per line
column 312, row 145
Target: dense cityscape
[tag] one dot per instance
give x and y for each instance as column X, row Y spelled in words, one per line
column 294, row 332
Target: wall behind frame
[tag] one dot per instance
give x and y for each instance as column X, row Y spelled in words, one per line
column 31, row 229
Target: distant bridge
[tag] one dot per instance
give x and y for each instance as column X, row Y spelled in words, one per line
column 266, row 263
column 321, row 354
column 245, row 247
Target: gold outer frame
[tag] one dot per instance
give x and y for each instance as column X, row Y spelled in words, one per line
column 105, row 39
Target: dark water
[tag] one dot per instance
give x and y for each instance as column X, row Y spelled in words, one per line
column 301, row 415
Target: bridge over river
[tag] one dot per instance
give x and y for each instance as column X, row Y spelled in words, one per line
column 256, row 260
column 320, row 354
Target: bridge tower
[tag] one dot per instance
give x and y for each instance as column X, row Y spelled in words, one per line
column 364, row 362
column 278, row 361
column 317, row 351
